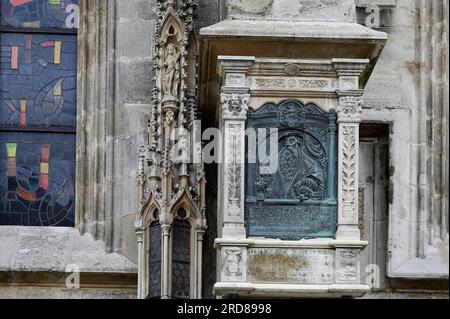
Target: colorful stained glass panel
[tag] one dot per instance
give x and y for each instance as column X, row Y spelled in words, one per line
column 38, row 75
column 37, row 179
column 39, row 13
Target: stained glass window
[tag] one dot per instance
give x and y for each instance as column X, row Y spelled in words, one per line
column 181, row 259
column 38, row 72
column 155, row 261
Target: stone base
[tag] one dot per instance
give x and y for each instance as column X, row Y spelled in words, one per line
column 248, row 290
column 294, row 269
column 52, row 285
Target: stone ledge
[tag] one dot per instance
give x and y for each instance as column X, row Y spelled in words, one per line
column 46, row 292
column 275, row 243
column 291, row 291
column 381, row 3
column 420, row 269
column 307, row 31
column 58, row 280
column 52, row 249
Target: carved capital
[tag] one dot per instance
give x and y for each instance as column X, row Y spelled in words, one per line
column 235, row 105
column 350, row 109
column 140, row 235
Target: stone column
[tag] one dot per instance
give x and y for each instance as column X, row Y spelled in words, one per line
column 234, row 101
column 349, row 117
column 200, row 233
column 141, row 256
column 165, row 269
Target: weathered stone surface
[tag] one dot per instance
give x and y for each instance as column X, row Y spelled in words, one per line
column 34, row 292
column 323, row 10
column 292, row 266
column 43, row 249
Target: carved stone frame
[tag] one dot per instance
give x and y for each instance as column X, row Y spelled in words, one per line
column 336, row 83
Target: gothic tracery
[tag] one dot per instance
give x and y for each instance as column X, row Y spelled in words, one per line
column 168, row 181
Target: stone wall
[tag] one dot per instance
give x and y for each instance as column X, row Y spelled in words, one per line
column 295, row 10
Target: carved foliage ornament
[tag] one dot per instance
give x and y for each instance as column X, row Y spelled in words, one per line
column 234, row 168
column 235, row 104
column 349, row 166
column 350, row 107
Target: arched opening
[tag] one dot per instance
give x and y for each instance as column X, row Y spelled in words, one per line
column 154, row 257
column 181, row 255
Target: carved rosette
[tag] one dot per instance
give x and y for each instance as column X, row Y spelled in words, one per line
column 235, row 105
column 350, row 109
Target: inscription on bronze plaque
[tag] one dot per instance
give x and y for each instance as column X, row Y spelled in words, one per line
column 293, row 266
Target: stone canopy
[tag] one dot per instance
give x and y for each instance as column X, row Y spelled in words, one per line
column 285, row 39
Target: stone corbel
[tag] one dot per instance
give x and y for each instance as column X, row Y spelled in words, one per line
column 235, row 100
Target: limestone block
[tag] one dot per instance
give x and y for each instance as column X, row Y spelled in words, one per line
column 299, row 10
column 52, row 249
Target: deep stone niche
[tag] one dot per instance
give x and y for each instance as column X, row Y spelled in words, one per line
column 299, row 199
